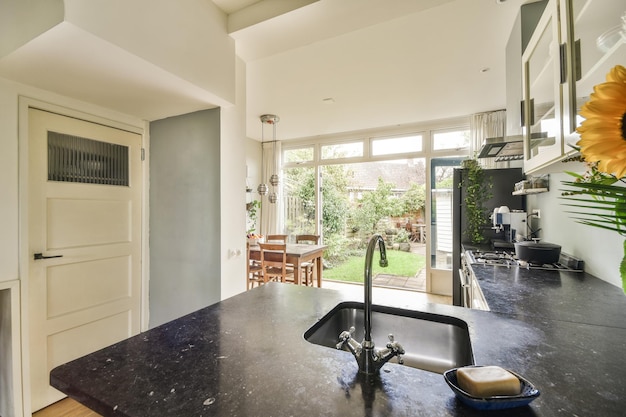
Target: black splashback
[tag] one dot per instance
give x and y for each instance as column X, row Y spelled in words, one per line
column 503, row 181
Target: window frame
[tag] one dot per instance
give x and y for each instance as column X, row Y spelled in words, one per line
column 449, row 130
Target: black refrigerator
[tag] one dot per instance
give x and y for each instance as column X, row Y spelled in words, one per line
column 503, row 181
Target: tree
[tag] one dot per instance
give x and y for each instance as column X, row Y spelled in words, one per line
column 299, row 188
column 414, row 199
column 300, row 183
column 335, row 200
column 375, row 205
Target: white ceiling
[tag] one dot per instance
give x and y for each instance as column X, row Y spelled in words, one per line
column 382, row 62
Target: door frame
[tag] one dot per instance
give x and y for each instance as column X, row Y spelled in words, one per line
column 103, row 117
column 439, row 280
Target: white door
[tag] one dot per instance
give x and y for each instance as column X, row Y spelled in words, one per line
column 85, row 228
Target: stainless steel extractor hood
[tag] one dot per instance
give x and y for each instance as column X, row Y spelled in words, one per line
column 507, row 148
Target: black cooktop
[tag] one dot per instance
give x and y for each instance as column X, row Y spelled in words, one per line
column 507, row 258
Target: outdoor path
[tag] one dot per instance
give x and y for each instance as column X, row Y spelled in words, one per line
column 416, row 283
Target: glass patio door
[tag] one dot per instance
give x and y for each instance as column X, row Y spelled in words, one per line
column 440, row 243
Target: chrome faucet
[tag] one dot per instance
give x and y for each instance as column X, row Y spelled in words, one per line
column 369, row 359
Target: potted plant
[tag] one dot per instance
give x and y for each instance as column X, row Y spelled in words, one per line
column 252, row 213
column 477, row 190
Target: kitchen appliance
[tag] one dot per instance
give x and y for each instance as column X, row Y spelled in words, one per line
column 536, row 252
column 471, row 294
column 509, row 148
column 512, row 225
column 503, row 181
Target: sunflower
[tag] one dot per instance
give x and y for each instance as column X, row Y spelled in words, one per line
column 603, row 133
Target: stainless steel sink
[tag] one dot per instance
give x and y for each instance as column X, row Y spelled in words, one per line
column 432, row 342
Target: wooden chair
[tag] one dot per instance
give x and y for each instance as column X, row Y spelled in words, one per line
column 276, row 239
column 274, row 262
column 253, row 274
column 308, row 268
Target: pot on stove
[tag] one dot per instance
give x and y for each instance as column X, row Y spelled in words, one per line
column 536, row 252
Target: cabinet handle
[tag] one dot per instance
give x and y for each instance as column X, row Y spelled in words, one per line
column 578, row 72
column 39, row 256
column 563, row 62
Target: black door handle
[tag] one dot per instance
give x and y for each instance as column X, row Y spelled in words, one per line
column 39, row 256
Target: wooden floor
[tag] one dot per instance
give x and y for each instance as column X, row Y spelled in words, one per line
column 65, row 408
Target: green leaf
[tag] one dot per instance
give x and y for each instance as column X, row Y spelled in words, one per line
column 622, row 269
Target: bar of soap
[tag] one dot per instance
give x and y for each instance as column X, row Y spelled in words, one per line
column 487, row 381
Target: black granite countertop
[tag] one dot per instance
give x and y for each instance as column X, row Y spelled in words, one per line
column 246, row 356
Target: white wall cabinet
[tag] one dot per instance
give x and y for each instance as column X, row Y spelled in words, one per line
column 574, row 46
column 523, row 28
column 596, row 34
column 543, row 91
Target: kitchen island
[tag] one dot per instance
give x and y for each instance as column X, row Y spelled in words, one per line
column 246, row 356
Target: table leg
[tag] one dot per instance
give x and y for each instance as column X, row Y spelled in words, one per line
column 318, row 269
column 296, row 271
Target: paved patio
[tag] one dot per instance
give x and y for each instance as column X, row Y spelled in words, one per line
column 416, row 283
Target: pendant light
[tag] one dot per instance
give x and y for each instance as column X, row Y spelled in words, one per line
column 262, row 189
column 273, row 120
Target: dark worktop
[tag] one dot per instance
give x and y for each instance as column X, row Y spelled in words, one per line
column 246, row 356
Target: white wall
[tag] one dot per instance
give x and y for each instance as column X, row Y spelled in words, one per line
column 8, row 181
column 602, row 250
column 233, row 197
column 187, row 38
column 253, row 168
column 21, row 21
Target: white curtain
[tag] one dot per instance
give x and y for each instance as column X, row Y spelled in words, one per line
column 487, row 125
column 271, row 220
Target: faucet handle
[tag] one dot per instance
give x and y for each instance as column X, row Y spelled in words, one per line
column 345, row 337
column 395, row 347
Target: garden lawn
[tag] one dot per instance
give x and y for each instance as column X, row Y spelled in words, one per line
column 404, row 264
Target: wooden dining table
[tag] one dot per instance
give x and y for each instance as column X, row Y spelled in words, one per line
column 297, row 254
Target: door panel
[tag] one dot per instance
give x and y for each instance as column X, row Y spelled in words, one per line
column 74, row 287
column 62, row 346
column 73, row 222
column 80, row 210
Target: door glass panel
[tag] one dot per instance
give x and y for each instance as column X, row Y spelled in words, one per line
column 299, row 201
column 361, row 199
column 441, row 211
column 77, row 159
column 540, row 75
column 600, row 44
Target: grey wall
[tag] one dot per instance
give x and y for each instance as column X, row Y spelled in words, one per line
column 184, row 214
